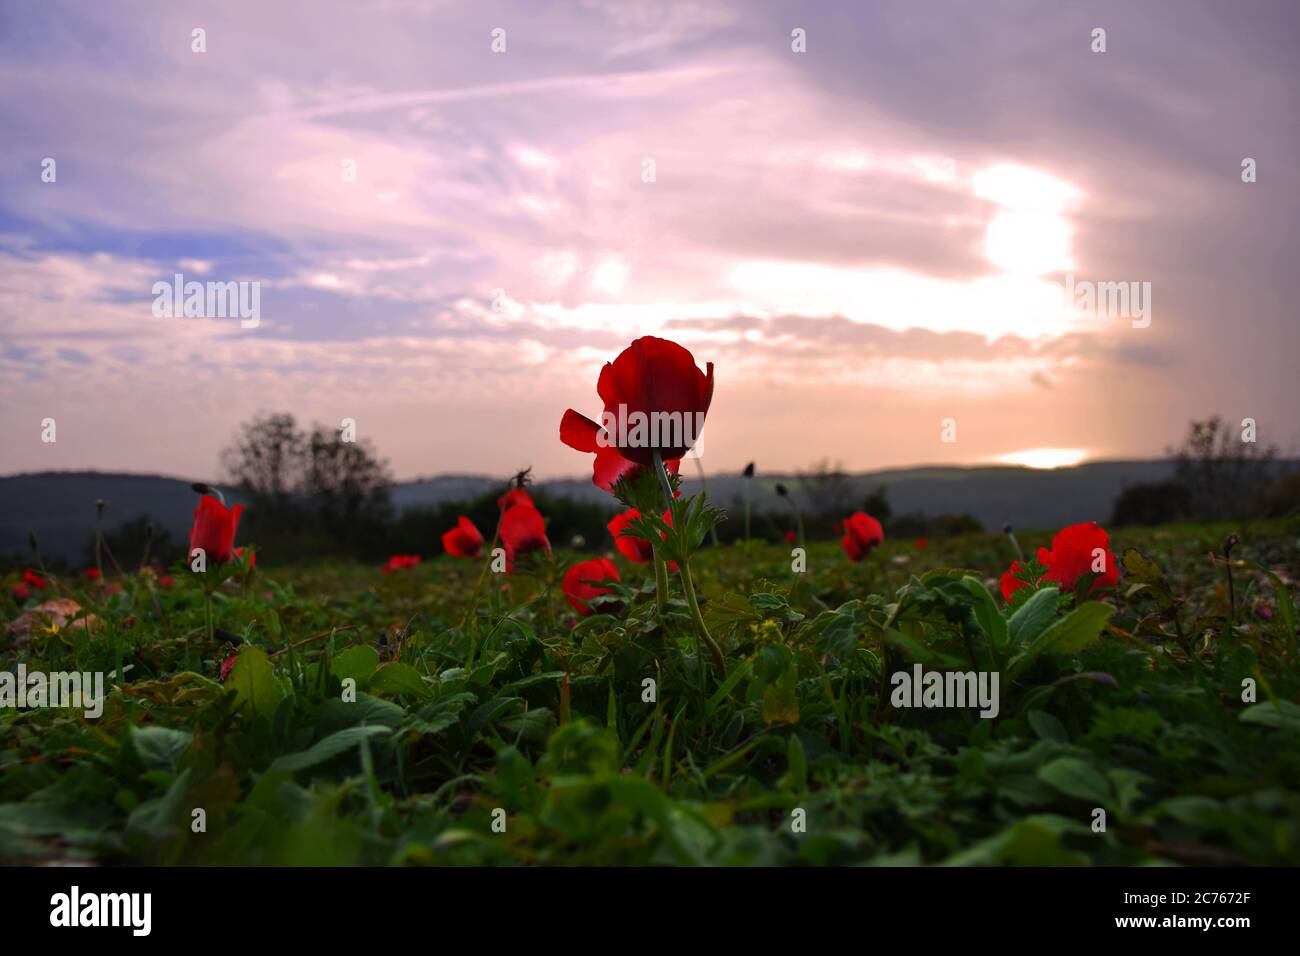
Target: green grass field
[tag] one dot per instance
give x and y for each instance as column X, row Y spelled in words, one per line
column 513, row 737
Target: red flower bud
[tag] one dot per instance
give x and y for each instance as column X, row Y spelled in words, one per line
column 464, row 540
column 214, row 529
column 523, row 530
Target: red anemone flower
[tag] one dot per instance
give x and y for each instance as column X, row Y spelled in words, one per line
column 791, row 538
column 214, row 529
column 650, row 379
column 252, row 556
column 523, row 530
column 515, row 496
column 636, row 550
column 92, row 574
column 32, row 579
column 861, row 533
column 1010, row 584
column 921, row 544
column 1077, row 550
column 464, row 540
column 227, row 666
column 166, row 581
column 400, row 562
column 21, row 592
column 580, row 586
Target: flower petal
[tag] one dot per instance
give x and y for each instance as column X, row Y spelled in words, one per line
column 578, row 431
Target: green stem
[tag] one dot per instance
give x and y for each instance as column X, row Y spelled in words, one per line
column 688, row 583
column 212, row 632
column 704, row 486
column 661, row 582
column 473, row 604
column 798, row 520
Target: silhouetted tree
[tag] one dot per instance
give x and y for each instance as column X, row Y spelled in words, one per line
column 131, row 542
column 1282, row 498
column 1152, row 503
column 1222, row 472
column 343, row 480
column 876, row 504
column 309, row 491
column 267, row 460
column 917, row 524
column 828, row 489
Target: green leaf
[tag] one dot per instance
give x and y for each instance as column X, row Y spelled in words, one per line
column 327, row 748
column 1147, row 573
column 1068, row 635
column 1279, row 714
column 1076, row 778
column 483, row 716
column 356, row 662
column 532, row 725
column 726, row 615
column 160, row 748
column 780, row 703
column 546, row 677
column 990, row 619
column 335, row 714
column 399, row 678
column 1047, row 726
column 1033, row 616
column 735, row 677
column 438, row 716
column 921, row 653
column 796, row 777
column 253, row 681
column 1195, row 811
column 158, row 817
column 1127, row 784
column 838, row 631
column 1033, row 841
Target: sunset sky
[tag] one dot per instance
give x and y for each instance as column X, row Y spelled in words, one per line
column 865, row 239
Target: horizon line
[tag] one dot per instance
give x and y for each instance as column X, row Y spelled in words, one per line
column 986, row 465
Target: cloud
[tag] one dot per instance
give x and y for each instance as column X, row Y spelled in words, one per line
column 875, row 227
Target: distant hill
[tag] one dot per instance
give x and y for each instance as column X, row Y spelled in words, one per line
column 60, row 507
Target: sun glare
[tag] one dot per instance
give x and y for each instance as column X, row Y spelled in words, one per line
column 1044, row 457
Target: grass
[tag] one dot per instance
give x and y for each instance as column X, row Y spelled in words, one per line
column 510, row 736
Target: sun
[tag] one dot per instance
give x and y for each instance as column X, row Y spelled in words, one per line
column 1030, row 234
